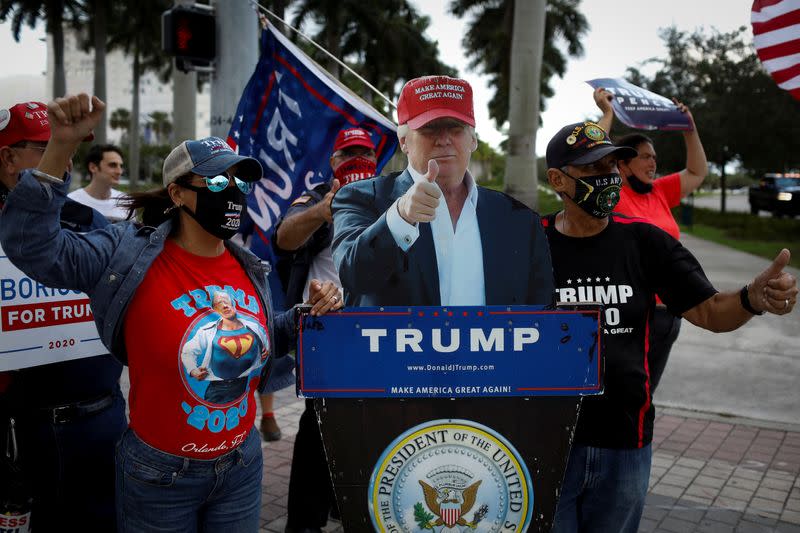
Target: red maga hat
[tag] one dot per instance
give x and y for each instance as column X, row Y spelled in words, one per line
column 353, row 137
column 26, row 122
column 430, row 97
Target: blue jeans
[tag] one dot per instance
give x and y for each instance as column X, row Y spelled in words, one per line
column 604, row 490
column 157, row 491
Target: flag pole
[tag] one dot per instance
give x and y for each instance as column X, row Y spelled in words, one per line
column 323, row 50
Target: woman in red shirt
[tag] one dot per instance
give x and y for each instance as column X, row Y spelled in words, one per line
column 643, row 196
column 188, row 311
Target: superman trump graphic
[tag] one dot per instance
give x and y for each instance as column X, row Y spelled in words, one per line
column 225, row 352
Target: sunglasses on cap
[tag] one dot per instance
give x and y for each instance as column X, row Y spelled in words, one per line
column 221, row 182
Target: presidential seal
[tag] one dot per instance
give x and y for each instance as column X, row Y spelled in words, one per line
column 450, row 476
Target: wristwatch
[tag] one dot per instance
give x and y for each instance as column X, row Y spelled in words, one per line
column 744, row 298
column 44, row 176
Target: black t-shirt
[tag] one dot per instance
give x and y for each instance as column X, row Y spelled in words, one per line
column 624, row 267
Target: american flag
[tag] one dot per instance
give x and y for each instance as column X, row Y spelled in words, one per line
column 776, row 30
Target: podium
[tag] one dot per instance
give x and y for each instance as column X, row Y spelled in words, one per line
column 449, row 419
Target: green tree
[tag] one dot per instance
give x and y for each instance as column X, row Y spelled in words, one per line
column 53, row 13
column 161, row 126
column 382, row 40
column 488, row 44
column 92, row 27
column 120, row 120
column 740, row 112
column 137, row 32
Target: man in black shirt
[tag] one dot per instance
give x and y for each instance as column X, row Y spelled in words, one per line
column 623, row 263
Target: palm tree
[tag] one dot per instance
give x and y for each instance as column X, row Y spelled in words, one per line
column 120, row 119
column 161, row 126
column 93, row 27
column 331, row 18
column 383, row 39
column 525, row 68
column 53, row 12
column 138, row 36
column 488, row 44
column 518, row 71
column 389, row 46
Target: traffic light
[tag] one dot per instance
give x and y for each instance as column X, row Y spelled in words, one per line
column 189, row 34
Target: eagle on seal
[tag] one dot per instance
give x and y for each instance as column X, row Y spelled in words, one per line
column 436, row 500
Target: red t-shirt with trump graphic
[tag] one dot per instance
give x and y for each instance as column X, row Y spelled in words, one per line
column 197, row 338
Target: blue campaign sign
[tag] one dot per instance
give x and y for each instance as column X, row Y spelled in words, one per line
column 642, row 109
column 409, row 352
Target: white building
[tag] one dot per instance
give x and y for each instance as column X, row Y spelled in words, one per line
column 154, row 95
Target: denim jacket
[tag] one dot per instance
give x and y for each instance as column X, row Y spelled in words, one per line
column 107, row 264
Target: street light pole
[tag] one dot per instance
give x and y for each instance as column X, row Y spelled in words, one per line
column 184, row 98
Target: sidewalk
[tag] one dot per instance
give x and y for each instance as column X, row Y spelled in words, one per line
column 710, row 474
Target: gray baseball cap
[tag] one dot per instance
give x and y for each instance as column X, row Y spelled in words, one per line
column 208, row 157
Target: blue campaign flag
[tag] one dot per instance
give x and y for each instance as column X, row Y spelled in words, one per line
column 642, row 109
column 288, row 118
column 409, row 352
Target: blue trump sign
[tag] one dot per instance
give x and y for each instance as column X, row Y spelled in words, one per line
column 642, row 109
column 450, row 352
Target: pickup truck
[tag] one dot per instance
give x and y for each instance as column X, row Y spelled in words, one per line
column 777, row 193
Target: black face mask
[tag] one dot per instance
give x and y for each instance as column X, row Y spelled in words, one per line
column 219, row 213
column 598, row 194
column 638, row 185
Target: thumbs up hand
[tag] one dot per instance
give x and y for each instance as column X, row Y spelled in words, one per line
column 419, row 203
column 774, row 290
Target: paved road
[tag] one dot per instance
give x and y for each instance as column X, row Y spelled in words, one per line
column 751, row 372
column 736, row 203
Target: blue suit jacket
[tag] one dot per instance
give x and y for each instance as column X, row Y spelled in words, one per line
column 374, row 271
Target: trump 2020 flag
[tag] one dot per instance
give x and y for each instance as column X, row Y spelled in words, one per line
column 288, row 118
column 776, row 37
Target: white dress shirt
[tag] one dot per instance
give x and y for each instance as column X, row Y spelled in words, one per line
column 459, row 252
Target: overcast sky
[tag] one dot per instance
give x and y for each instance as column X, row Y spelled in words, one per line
column 610, row 48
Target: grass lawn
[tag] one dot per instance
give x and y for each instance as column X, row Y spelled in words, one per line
column 761, row 248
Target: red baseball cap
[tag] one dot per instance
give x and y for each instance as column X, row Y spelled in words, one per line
column 430, row 97
column 26, row 122
column 353, row 137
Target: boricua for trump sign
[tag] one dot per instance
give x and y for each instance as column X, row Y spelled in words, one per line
column 450, row 352
column 41, row 325
column 642, row 109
